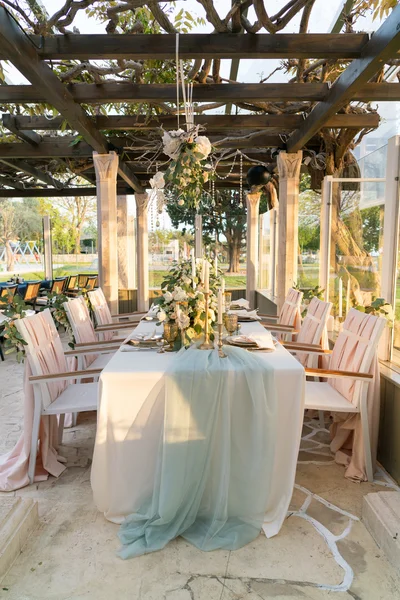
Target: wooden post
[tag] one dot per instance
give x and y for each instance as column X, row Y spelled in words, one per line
column 48, row 250
column 126, row 245
column 198, row 236
column 253, row 203
column 106, row 166
column 142, row 251
column 289, row 178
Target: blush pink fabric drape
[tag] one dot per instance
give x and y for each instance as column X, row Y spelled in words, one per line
column 46, row 346
column 82, row 325
column 313, row 331
column 291, row 312
column 346, row 432
column 101, row 312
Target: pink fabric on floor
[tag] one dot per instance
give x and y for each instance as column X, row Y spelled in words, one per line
column 346, row 431
column 14, row 465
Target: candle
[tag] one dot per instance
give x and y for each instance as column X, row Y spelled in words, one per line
column 193, row 266
column 220, row 306
column 223, row 285
column 206, row 276
column 348, row 296
column 340, row 297
column 203, row 266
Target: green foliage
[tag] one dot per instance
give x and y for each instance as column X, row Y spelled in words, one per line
column 308, row 294
column 14, row 309
column 59, row 314
column 371, row 227
column 380, row 308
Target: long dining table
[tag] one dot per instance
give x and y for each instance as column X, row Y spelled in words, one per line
column 131, row 418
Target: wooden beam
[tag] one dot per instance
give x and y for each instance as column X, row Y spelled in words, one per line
column 198, row 45
column 210, row 122
column 31, row 137
column 52, row 193
column 16, row 47
column 91, row 93
column 21, row 165
column 11, row 182
column 384, row 44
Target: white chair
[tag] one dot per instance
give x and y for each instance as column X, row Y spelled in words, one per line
column 350, row 371
column 106, row 324
column 289, row 319
column 54, row 394
column 85, row 335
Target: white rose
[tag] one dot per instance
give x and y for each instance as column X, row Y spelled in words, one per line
column 179, row 294
column 162, row 315
column 171, row 142
column 183, row 320
column 203, row 145
column 187, row 280
column 168, row 297
column 158, row 181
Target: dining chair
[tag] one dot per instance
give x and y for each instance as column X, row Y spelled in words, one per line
column 85, row 334
column 57, row 287
column 8, row 292
column 54, row 391
column 289, row 319
column 105, row 322
column 31, row 294
column 351, row 370
column 82, row 280
column 91, row 282
column 71, row 288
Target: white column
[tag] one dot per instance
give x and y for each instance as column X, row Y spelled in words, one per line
column 325, row 235
column 106, row 167
column 198, row 236
column 289, row 178
column 390, row 237
column 126, row 245
column 48, row 250
column 273, row 224
column 142, row 251
column 253, row 203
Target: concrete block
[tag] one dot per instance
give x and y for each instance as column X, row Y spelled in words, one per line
column 381, row 516
column 18, row 518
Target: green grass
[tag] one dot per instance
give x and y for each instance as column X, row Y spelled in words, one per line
column 231, row 281
column 58, row 272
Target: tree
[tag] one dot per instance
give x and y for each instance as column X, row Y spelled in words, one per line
column 75, row 211
column 8, row 230
column 226, row 219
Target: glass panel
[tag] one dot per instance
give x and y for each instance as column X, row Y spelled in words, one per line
column 356, row 244
column 309, row 236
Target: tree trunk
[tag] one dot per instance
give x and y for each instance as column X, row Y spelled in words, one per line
column 9, row 256
column 234, row 256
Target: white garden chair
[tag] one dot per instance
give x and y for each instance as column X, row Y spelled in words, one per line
column 85, row 335
column 288, row 321
column 106, row 324
column 351, row 367
column 54, row 393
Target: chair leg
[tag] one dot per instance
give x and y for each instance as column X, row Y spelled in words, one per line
column 321, row 418
column 61, row 419
column 366, row 438
column 1, row 352
column 34, row 443
column 74, row 419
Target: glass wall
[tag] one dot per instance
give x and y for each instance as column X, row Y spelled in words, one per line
column 309, row 236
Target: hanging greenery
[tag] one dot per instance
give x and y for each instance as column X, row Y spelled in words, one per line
column 13, row 308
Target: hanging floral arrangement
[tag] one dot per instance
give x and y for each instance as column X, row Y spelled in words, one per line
column 188, row 170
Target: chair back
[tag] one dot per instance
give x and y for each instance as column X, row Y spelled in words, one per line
column 91, row 282
column 291, row 312
column 44, row 352
column 101, row 311
column 82, row 281
column 71, row 285
column 354, row 350
column 81, row 324
column 32, row 291
column 9, row 292
column 313, row 329
column 58, row 285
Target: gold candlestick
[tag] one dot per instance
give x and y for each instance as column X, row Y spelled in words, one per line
column 220, row 351
column 206, row 345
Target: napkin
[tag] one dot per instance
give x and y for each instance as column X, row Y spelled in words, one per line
column 249, row 314
column 263, row 339
column 241, row 302
column 153, row 311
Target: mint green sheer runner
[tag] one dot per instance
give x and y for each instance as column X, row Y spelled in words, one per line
column 216, row 455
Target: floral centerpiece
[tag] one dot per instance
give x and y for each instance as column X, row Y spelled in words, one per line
column 188, row 170
column 183, row 299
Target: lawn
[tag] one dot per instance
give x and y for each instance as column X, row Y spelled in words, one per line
column 72, row 269
column 231, row 281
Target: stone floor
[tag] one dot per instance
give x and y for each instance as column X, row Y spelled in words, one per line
column 323, row 549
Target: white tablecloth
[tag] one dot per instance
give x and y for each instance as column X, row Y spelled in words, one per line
column 130, row 419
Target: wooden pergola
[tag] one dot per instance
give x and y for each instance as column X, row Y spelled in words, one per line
column 42, row 147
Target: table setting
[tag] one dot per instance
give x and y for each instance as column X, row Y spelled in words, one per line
column 198, row 432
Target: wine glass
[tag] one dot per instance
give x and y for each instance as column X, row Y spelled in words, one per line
column 231, row 323
column 228, row 300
